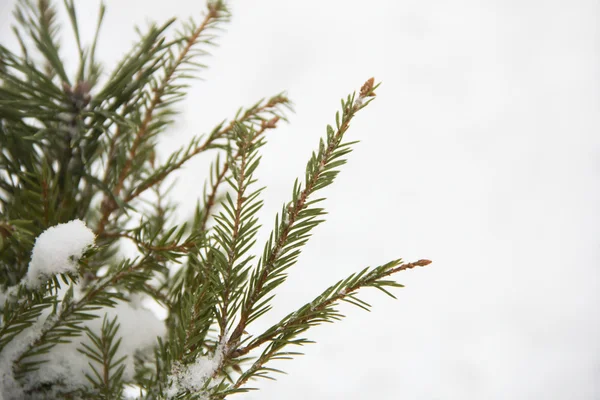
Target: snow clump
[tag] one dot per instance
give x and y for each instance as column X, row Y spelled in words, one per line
column 56, row 251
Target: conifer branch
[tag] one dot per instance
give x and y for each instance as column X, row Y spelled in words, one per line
column 322, row 309
column 216, row 13
column 108, row 382
column 40, row 22
column 261, row 116
column 318, row 310
column 237, row 225
column 61, row 326
column 20, row 316
column 248, row 118
column 66, row 323
column 222, row 171
column 297, row 218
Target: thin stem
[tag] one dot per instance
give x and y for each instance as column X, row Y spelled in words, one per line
column 173, row 246
column 231, row 254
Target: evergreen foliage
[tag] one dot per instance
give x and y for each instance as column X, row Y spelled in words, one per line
column 83, row 147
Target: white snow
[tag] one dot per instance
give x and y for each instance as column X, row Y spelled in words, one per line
column 9, row 387
column 358, row 103
column 139, row 329
column 193, row 377
column 57, row 251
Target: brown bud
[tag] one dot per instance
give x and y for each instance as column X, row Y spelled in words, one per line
column 270, row 124
column 422, row 263
column 367, row 88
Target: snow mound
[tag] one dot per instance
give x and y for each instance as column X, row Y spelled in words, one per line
column 57, row 251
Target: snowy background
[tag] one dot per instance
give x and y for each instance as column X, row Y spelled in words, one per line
column 479, row 153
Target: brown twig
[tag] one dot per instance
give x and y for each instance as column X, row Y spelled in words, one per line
column 174, row 246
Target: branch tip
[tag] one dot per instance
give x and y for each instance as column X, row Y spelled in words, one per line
column 367, row 89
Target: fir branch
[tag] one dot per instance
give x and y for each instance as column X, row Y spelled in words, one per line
column 27, row 92
column 108, row 382
column 260, row 117
column 236, row 225
column 234, row 233
column 298, row 218
column 216, row 13
column 67, row 322
column 112, row 145
column 61, row 326
column 321, row 310
column 220, row 171
column 193, row 315
column 120, row 100
column 88, row 70
column 256, row 114
column 143, row 61
column 18, row 316
column 40, row 22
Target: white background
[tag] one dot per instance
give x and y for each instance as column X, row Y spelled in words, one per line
column 480, row 153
